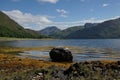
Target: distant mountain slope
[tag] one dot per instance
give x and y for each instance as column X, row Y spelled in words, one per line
column 35, row 34
column 49, row 30
column 66, row 32
column 89, row 25
column 107, row 29
column 9, row 28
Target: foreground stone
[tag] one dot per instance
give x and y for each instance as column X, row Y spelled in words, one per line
column 61, row 55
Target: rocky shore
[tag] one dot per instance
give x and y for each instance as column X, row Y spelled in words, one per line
column 13, row 67
column 93, row 70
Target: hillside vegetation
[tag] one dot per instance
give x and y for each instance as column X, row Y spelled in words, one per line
column 104, row 30
column 107, row 29
column 9, row 28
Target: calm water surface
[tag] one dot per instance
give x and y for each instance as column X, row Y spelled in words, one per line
column 91, row 43
column 113, row 44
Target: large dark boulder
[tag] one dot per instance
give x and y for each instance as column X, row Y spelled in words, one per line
column 61, row 55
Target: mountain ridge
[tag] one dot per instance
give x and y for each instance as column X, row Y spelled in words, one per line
column 104, row 30
column 49, row 30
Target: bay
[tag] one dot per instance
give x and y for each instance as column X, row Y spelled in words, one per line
column 91, row 43
column 112, row 44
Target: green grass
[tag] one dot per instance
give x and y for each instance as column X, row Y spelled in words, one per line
column 10, row 39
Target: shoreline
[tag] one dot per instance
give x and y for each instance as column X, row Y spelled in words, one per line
column 11, row 39
column 82, row 52
column 13, row 66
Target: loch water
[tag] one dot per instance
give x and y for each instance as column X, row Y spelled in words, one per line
column 112, row 44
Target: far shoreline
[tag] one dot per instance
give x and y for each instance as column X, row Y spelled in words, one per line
column 14, row 38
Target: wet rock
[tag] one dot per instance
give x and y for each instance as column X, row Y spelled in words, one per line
column 61, row 55
column 118, row 62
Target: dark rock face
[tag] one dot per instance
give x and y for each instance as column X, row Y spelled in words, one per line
column 61, row 55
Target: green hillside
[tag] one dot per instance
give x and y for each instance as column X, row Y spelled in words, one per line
column 9, row 28
column 49, row 30
column 107, row 29
column 66, row 32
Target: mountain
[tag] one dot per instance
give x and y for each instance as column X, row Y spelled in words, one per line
column 107, row 29
column 9, row 28
column 49, row 30
column 35, row 34
column 104, row 30
column 89, row 25
column 66, row 32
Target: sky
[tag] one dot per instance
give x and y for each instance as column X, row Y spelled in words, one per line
column 39, row 14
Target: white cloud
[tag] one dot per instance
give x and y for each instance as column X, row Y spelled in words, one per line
column 92, row 20
column 28, row 20
column 64, row 25
column 50, row 1
column 105, row 5
column 38, row 22
column 63, row 13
